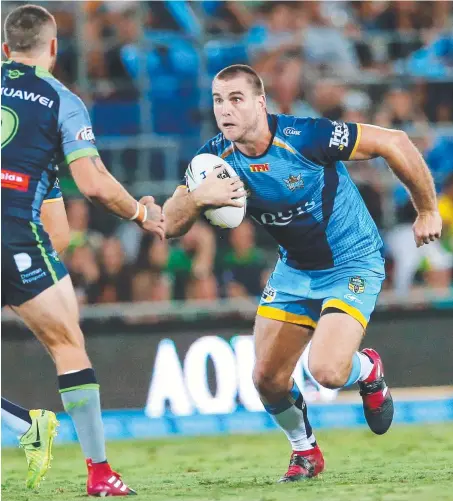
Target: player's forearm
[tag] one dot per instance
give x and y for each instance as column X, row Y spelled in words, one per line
column 115, row 198
column 407, row 163
column 98, row 185
column 180, row 212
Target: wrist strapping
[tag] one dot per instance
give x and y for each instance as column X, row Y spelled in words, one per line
column 141, row 213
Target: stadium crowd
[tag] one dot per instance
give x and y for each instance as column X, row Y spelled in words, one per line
column 384, row 63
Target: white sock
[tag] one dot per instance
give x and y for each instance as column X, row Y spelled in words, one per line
column 366, row 366
column 292, row 423
column 290, row 414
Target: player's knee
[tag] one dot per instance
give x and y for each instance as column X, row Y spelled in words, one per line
column 328, row 376
column 267, row 383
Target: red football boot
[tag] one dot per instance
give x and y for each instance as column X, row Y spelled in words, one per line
column 377, row 400
column 103, row 481
column 304, row 464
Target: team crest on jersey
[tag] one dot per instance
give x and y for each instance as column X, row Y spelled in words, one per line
column 269, row 294
column 260, row 167
column 294, row 182
column 356, row 285
column 13, row 74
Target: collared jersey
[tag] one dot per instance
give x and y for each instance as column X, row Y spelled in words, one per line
column 301, row 192
column 43, row 124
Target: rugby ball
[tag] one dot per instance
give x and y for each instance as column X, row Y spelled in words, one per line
column 199, row 168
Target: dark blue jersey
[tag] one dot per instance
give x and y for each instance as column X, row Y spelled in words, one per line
column 301, row 192
column 43, row 125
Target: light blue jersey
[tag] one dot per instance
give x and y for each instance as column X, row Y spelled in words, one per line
column 302, row 194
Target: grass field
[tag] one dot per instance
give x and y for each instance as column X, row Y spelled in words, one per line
column 409, row 463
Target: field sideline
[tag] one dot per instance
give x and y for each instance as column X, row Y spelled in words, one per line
column 409, row 463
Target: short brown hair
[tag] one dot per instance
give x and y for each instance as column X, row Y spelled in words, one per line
column 24, row 27
column 238, row 69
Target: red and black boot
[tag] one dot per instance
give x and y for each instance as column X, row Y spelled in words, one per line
column 377, row 400
column 303, row 465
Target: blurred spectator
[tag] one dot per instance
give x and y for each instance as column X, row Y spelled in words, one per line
column 127, row 32
column 244, row 265
column 191, row 264
column 79, row 221
column 403, row 21
column 323, row 43
column 433, row 260
column 115, row 280
column 273, row 36
column 179, row 269
column 285, row 93
column 85, row 273
column 446, row 212
column 226, row 17
column 399, row 110
column 327, row 97
column 152, row 283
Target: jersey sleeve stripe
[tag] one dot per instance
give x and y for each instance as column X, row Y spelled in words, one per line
column 350, row 310
column 285, row 316
column 52, row 200
column 282, row 144
column 357, row 141
column 85, row 152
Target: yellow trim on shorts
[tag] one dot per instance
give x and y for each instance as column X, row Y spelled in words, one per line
column 357, row 141
column 52, row 200
column 285, row 316
column 350, row 310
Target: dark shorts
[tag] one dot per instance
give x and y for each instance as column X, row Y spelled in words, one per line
column 30, row 265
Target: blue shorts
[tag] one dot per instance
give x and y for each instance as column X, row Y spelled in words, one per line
column 301, row 296
column 30, row 265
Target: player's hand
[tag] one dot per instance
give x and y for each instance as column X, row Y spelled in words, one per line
column 215, row 192
column 427, row 227
column 155, row 220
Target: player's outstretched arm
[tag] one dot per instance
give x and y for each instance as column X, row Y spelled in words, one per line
column 407, row 163
column 184, row 207
column 97, row 184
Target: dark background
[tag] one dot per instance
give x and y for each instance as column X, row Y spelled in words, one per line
column 416, row 346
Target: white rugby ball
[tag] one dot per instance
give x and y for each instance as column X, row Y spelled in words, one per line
column 199, row 168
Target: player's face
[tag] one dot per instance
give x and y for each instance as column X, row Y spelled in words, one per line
column 237, row 108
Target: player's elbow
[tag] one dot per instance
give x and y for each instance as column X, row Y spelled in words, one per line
column 391, row 144
column 92, row 191
column 399, row 140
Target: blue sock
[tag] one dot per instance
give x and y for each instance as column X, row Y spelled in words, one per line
column 355, row 371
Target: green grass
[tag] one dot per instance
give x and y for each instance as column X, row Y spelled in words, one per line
column 409, row 463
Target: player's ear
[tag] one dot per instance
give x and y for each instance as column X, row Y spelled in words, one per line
column 6, row 50
column 262, row 101
column 53, row 47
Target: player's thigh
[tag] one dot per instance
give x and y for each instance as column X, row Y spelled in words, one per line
column 349, row 293
column 278, row 347
column 53, row 315
column 284, row 324
column 337, row 337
